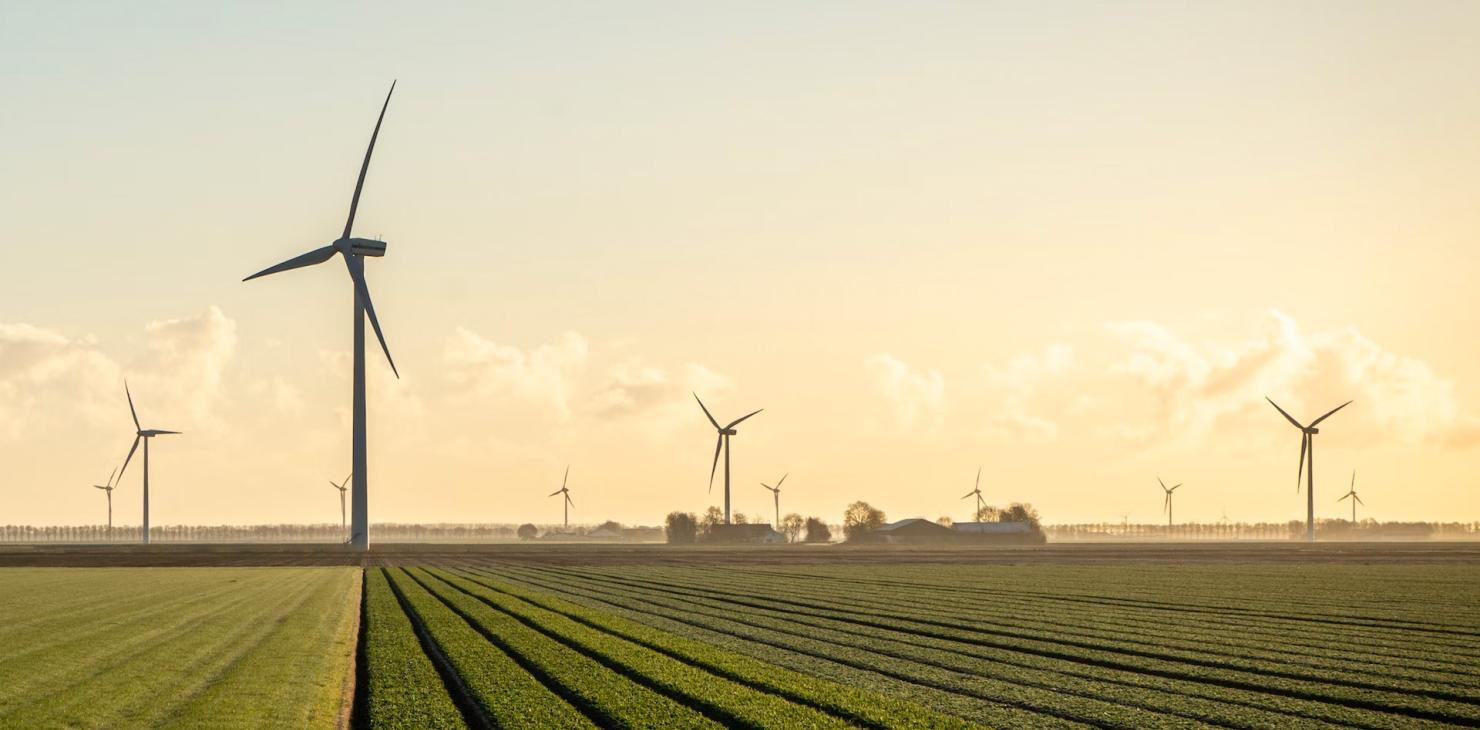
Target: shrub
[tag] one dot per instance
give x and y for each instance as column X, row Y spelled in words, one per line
column 681, row 528
column 817, row 531
column 528, row 532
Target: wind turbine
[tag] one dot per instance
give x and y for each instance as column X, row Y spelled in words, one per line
column 1355, row 499
column 109, row 490
column 342, row 487
column 566, row 491
column 354, row 251
column 776, row 492
column 978, row 493
column 141, row 434
column 1167, row 506
column 1307, row 463
column 725, row 432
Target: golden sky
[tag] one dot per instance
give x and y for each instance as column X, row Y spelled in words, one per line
column 1074, row 244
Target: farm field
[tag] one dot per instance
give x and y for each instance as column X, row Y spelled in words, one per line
column 1007, row 646
column 175, row 647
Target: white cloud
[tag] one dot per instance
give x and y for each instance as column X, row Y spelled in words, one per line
column 1013, row 385
column 917, row 397
column 543, row 376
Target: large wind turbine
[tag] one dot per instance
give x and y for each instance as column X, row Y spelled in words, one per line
column 1355, row 499
column 342, row 487
column 1167, row 505
column 1307, row 463
column 565, row 491
column 140, row 434
column 725, row 432
column 977, row 492
column 354, row 251
column 108, row 488
column 776, row 492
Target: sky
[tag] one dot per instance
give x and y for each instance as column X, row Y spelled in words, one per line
column 1072, row 244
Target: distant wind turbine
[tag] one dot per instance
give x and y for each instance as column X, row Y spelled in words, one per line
column 1307, row 462
column 725, row 432
column 977, row 491
column 354, row 251
column 566, row 491
column 1355, row 499
column 1167, row 506
column 141, row 434
column 342, row 487
column 109, row 490
column 776, row 492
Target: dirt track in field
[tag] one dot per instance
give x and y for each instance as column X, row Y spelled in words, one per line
column 1427, row 553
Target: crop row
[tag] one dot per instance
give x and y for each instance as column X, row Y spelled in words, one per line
column 920, row 656
column 1377, row 691
column 444, row 650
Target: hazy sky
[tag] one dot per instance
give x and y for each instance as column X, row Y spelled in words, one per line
column 1075, row 244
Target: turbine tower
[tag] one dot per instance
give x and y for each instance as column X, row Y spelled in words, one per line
column 977, row 492
column 354, row 251
column 140, row 434
column 1355, row 499
column 566, row 491
column 725, row 432
column 776, row 492
column 109, row 490
column 1167, row 505
column 1307, row 463
column 342, row 487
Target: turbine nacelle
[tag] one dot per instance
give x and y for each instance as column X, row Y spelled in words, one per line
column 1312, row 430
column 361, row 246
column 728, row 432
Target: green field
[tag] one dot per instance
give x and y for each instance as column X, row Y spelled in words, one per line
column 175, row 647
column 502, row 643
column 1045, row 646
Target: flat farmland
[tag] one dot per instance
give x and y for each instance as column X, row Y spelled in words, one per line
column 646, row 636
column 176, row 647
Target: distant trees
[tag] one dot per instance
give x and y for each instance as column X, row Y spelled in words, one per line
column 860, row 519
column 816, row 531
column 988, row 513
column 712, row 516
column 739, row 519
column 944, row 521
column 610, row 525
column 1020, row 512
column 681, row 528
column 527, row 531
column 791, row 526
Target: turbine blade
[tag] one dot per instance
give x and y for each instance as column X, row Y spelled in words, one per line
column 131, row 410
column 111, row 475
column 1328, row 413
column 1162, row 483
column 336, row 486
column 737, row 421
column 707, row 414
column 1300, row 470
column 1173, row 489
column 1359, row 499
column 558, row 491
column 1343, row 497
column 126, row 459
column 720, row 442
column 978, row 478
column 569, row 501
column 102, row 488
column 1354, row 480
column 354, row 202
column 782, row 479
column 565, row 478
column 364, row 292
column 1287, row 416
column 347, row 477
column 316, row 256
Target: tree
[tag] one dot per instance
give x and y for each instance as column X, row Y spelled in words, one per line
column 943, row 521
column 791, row 526
column 816, row 531
column 988, row 513
column 610, row 525
column 712, row 517
column 681, row 528
column 860, row 519
column 1019, row 512
column 739, row 518
column 528, row 531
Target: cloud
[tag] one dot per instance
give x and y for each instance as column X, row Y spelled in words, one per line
column 917, row 397
column 51, row 381
column 543, row 376
column 1146, row 384
column 634, row 387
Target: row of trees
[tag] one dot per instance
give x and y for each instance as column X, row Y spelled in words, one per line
column 686, row 528
column 1336, row 529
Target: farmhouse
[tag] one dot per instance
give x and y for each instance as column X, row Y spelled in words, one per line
column 912, row 531
column 744, row 534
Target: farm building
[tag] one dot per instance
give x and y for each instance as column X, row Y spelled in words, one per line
column 744, row 534
column 912, row 530
column 992, row 528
